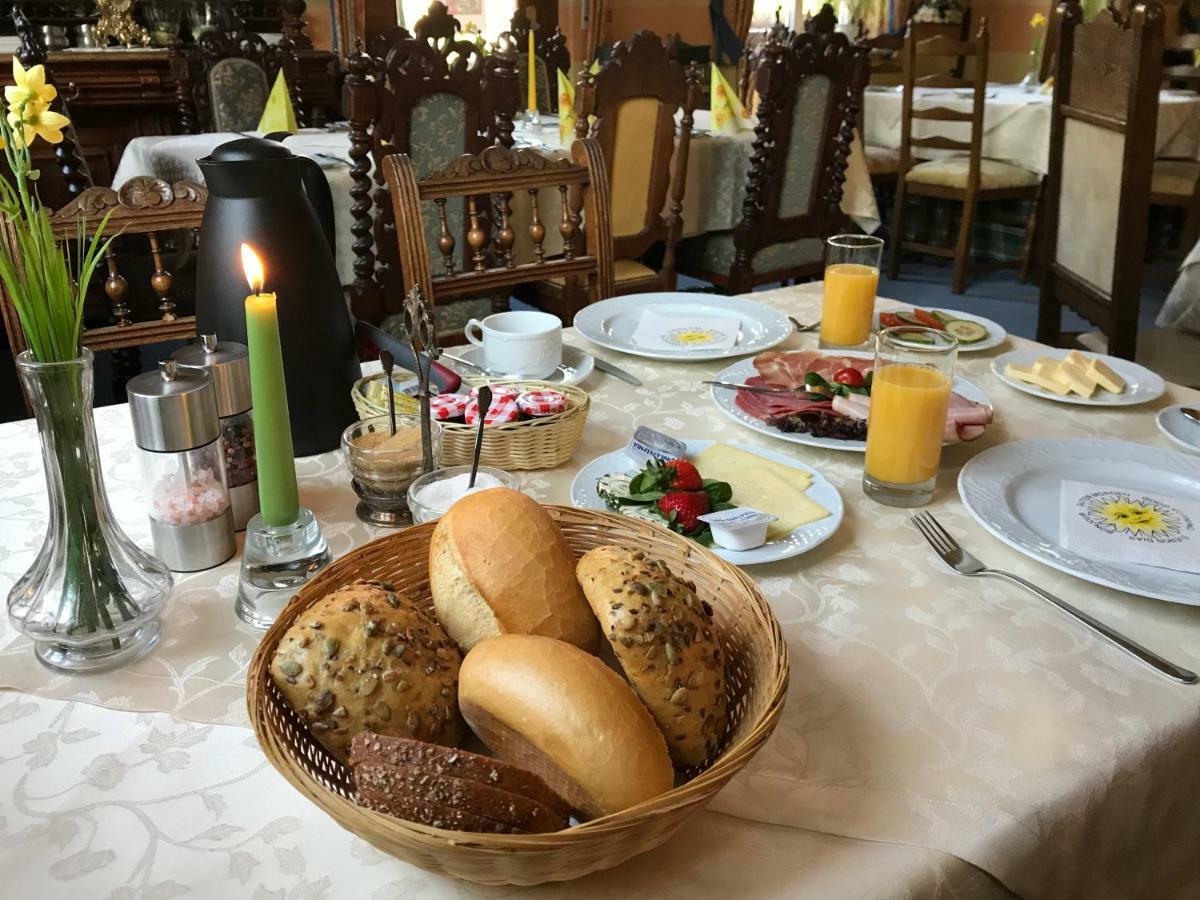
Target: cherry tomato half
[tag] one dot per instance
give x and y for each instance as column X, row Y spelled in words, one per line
column 849, row 376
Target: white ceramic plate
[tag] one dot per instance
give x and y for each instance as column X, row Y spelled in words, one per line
column 996, row 333
column 611, row 323
column 576, row 364
column 1014, row 491
column 1179, row 429
column 1141, row 385
column 803, row 539
column 740, row 371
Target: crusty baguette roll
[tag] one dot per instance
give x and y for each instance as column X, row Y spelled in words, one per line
column 559, row 712
column 367, row 658
column 499, row 565
column 663, row 637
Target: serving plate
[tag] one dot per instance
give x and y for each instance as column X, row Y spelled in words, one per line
column 740, row 371
column 801, row 540
column 1141, row 385
column 996, row 333
column 611, row 323
column 1014, row 491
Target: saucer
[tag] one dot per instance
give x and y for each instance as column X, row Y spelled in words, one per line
column 1179, row 429
column 576, row 364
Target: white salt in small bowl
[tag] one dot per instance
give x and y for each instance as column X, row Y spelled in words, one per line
column 432, row 495
column 740, row 528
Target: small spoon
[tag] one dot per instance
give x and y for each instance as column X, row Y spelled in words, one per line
column 803, row 328
column 1190, row 413
column 389, row 363
column 484, row 398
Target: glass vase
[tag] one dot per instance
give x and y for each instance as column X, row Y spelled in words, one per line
column 1032, row 80
column 92, row 598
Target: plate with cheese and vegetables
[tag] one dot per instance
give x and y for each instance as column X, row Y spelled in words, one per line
column 973, row 332
column 1073, row 376
column 714, row 476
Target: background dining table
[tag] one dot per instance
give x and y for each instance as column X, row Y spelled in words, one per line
column 942, row 737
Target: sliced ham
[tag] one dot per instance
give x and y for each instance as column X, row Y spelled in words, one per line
column 771, row 406
column 788, row 368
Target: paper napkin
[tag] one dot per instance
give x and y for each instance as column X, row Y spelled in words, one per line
column 278, row 114
column 1130, row 526
column 728, row 114
column 678, row 331
column 566, row 109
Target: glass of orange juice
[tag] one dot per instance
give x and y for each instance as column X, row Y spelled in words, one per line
column 851, row 277
column 910, row 391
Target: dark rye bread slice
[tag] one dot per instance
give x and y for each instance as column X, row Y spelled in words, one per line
column 367, row 747
column 380, row 788
column 514, row 812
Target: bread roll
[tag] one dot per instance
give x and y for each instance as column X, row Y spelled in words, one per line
column 367, row 658
column 499, row 565
column 549, row 707
column 663, row 637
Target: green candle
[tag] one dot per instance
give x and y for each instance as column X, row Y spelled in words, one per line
column 279, row 500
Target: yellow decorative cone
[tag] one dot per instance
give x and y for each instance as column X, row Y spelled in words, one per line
column 728, row 114
column 278, row 114
column 566, row 109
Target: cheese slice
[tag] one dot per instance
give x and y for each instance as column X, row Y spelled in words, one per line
column 1076, row 377
column 763, row 484
column 1105, row 376
column 1031, row 375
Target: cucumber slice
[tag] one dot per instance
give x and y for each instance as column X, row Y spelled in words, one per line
column 943, row 317
column 966, row 332
column 909, row 319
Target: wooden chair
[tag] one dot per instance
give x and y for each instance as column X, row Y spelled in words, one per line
column 489, row 180
column 222, row 82
column 1098, row 189
column 810, row 93
column 551, row 55
column 144, row 207
column 965, row 176
column 748, row 64
column 634, row 99
column 432, row 97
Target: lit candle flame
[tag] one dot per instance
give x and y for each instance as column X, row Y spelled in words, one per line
column 253, row 268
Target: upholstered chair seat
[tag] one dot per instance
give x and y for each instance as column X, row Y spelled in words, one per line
column 1175, row 176
column 952, row 172
column 881, row 160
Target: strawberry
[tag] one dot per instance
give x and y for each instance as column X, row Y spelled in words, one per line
column 682, row 508
column 684, row 475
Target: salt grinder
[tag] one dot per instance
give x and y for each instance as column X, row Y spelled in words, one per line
column 178, row 433
column 229, row 365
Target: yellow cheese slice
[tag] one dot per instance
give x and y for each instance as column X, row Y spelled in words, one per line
column 1105, row 376
column 1076, row 377
column 1031, row 375
column 763, row 484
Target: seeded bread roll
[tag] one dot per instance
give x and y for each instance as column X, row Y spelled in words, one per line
column 663, row 637
column 499, row 565
column 366, row 658
column 384, row 789
column 559, row 712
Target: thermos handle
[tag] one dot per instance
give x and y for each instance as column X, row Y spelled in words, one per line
column 316, row 186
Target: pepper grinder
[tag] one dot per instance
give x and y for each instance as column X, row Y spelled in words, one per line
column 229, row 365
column 178, row 434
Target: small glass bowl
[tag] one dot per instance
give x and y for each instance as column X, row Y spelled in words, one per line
column 381, row 477
column 424, row 513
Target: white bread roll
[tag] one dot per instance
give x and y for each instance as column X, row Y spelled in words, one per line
column 499, row 565
column 559, row 712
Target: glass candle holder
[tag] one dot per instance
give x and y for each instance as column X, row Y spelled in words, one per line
column 910, row 392
column 851, row 280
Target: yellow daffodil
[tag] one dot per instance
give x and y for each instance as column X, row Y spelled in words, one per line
column 38, row 121
column 30, row 88
column 1037, row 21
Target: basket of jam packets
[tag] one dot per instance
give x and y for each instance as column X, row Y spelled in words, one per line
column 529, row 425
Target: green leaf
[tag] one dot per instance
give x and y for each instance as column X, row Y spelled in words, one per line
column 646, row 496
column 718, row 491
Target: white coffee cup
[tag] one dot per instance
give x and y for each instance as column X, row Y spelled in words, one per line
column 521, row 343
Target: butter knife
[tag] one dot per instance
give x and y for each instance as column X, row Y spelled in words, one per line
column 605, row 366
column 756, row 389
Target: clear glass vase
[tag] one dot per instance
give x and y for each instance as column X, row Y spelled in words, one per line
column 92, row 599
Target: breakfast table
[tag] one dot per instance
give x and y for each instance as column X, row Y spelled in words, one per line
column 942, row 736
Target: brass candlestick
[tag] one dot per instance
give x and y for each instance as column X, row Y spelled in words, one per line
column 418, row 322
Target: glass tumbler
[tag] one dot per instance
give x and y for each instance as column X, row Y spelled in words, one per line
column 910, row 393
column 851, row 279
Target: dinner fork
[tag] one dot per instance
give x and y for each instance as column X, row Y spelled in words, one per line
column 962, row 562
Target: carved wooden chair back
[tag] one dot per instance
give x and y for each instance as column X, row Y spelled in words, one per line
column 488, row 181
column 552, row 55
column 1182, row 74
column 634, row 99
column 778, row 33
column 431, row 97
column 824, row 21
column 164, row 215
column 1102, row 132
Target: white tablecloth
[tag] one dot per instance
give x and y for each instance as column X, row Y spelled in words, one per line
column 925, row 710
column 1016, row 123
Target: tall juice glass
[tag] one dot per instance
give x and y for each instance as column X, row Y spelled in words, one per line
column 851, row 278
column 910, row 392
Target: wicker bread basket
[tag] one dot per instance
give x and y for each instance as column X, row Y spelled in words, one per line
column 757, row 675
column 533, row 444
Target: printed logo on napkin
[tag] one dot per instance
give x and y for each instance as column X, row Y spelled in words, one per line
column 660, row 331
column 1117, row 523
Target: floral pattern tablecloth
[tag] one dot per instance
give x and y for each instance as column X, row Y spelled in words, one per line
column 924, row 709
